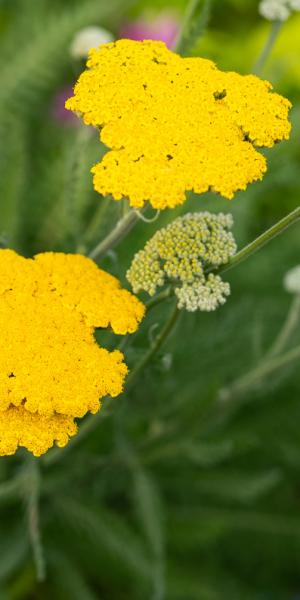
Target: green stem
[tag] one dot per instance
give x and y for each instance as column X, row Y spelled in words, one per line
column 272, row 359
column 195, row 21
column 32, row 493
column 287, row 329
column 267, row 368
column 90, row 423
column 94, row 224
column 152, row 303
column 121, row 229
column 242, row 255
column 154, row 348
column 268, row 47
column 261, row 240
column 10, row 489
column 164, row 295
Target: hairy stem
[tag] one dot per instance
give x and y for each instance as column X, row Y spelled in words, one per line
column 195, row 21
column 94, row 224
column 121, row 229
column 287, row 328
column 164, row 295
column 261, row 240
column 272, row 359
column 265, row 369
column 268, row 47
column 32, row 494
column 155, row 347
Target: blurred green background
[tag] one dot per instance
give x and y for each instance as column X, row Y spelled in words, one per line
column 174, row 496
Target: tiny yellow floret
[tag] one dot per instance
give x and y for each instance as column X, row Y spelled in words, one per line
column 175, row 124
column 51, row 367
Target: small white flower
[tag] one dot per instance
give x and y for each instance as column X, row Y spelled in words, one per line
column 295, row 5
column 274, row 10
column 291, row 281
column 87, row 38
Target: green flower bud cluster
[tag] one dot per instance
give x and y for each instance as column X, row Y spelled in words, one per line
column 182, row 254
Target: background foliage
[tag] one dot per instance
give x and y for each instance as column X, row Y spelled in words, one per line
column 174, row 495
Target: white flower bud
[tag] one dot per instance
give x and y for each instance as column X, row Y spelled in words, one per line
column 274, row 10
column 291, row 281
column 87, row 38
column 295, row 5
column 182, row 253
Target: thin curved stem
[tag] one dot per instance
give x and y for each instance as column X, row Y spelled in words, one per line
column 121, row 229
column 152, row 303
column 287, row 329
column 32, row 495
column 147, row 219
column 261, row 240
column 10, row 489
column 164, row 295
column 271, row 361
column 156, row 345
column 89, row 424
column 195, row 22
column 95, row 223
column 268, row 47
column 246, row 382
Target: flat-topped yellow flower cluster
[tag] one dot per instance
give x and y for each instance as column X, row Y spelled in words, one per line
column 175, row 124
column 51, row 368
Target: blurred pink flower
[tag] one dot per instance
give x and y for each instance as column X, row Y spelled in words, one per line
column 163, row 27
column 59, row 113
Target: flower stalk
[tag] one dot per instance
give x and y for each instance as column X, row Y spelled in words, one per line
column 262, row 240
column 287, row 329
column 32, row 494
column 276, row 28
column 122, row 228
column 155, row 347
column 265, row 369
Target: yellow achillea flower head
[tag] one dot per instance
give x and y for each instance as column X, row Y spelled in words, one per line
column 175, row 124
column 51, row 368
column 19, row 427
column 182, row 254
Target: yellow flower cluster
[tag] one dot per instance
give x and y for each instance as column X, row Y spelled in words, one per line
column 175, row 124
column 51, row 368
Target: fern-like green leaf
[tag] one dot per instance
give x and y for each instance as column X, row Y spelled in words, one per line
column 195, row 23
column 109, row 532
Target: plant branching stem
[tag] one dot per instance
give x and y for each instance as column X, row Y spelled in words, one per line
column 287, row 329
column 32, row 493
column 164, row 295
column 266, row 368
column 272, row 360
column 155, row 347
column 268, row 47
column 92, row 421
column 261, row 240
column 94, row 224
column 121, row 229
